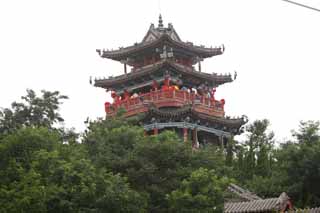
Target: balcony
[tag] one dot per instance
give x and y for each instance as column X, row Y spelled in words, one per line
column 169, row 98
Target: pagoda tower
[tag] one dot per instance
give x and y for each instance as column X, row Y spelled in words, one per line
column 166, row 88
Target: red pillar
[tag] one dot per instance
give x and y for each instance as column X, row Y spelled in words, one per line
column 155, row 131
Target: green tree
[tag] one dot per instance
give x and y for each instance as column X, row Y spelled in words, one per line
column 201, row 192
column 32, row 111
column 21, row 145
column 110, row 142
column 301, row 161
column 295, row 168
column 308, row 132
column 51, row 176
column 230, row 151
column 258, row 150
column 154, row 165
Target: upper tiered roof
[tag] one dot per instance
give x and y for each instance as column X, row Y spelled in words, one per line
column 147, row 74
column 156, row 37
column 155, row 33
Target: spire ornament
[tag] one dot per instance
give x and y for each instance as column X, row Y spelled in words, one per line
column 160, row 25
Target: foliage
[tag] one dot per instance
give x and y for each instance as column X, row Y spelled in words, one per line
column 110, row 142
column 255, row 155
column 201, row 192
column 21, row 145
column 293, row 167
column 154, row 165
column 33, row 111
column 44, row 169
column 55, row 177
column 300, row 161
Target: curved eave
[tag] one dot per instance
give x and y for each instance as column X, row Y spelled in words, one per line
column 229, row 122
column 218, row 79
column 124, row 53
column 122, row 79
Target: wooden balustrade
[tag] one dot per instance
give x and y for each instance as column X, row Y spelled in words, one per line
column 174, row 98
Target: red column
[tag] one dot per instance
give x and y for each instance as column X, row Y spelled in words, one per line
column 185, row 134
column 155, row 131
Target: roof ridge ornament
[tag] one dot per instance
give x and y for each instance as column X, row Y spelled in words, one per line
column 160, row 25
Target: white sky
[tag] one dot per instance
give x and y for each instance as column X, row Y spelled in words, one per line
column 273, row 45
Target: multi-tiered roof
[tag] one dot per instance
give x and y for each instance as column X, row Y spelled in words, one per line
column 164, row 86
column 161, row 49
column 155, row 38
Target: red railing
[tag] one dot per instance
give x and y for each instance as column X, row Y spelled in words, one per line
column 169, row 98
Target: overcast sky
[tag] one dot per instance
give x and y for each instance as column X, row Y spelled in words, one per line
column 273, row 45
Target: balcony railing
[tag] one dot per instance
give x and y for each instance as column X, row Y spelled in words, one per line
column 169, row 98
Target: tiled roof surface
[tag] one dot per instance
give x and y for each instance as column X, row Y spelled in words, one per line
column 154, row 33
column 124, row 52
column 243, row 193
column 252, row 206
column 218, row 79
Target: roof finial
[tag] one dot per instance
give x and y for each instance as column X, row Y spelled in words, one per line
column 160, row 21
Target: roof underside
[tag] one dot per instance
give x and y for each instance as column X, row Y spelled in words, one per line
column 186, row 75
column 187, row 116
column 189, row 110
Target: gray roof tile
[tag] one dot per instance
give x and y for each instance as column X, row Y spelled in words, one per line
column 252, row 206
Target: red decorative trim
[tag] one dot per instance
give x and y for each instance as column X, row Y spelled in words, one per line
column 169, row 98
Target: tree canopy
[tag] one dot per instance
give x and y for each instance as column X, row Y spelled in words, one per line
column 33, row 111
